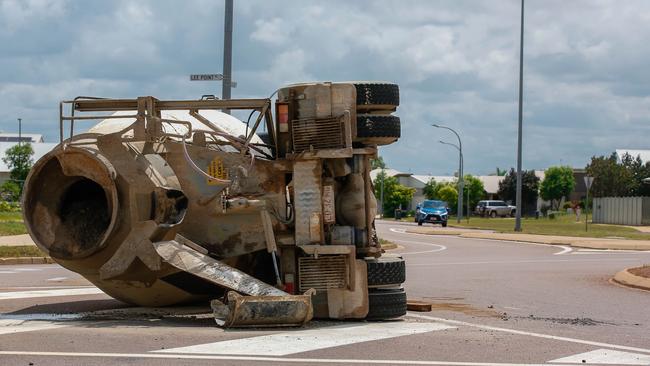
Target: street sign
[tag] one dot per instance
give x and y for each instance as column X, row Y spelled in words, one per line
column 588, row 181
column 210, row 77
column 206, row 77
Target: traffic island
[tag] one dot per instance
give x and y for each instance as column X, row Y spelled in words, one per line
column 638, row 277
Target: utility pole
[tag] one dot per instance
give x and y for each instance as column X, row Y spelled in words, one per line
column 20, row 131
column 227, row 52
column 521, row 87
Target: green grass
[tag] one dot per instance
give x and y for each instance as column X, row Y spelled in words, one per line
column 21, row 251
column 564, row 225
column 11, row 223
column 12, row 228
column 11, row 216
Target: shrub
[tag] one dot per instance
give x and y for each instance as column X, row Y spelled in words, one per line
column 6, row 206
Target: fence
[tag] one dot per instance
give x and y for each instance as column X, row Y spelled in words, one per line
column 622, row 210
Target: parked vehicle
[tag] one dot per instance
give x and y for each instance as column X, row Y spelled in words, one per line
column 433, row 211
column 494, row 208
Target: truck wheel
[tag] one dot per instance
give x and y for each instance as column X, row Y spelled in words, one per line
column 373, row 96
column 386, row 304
column 419, row 223
column 376, row 129
column 444, row 224
column 386, row 271
column 493, row 214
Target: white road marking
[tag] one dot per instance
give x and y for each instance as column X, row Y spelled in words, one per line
column 27, row 269
column 606, row 356
column 281, row 360
column 49, row 293
column 287, row 343
column 9, row 326
column 525, row 261
column 440, row 247
column 532, row 334
column 7, row 272
column 43, row 287
column 564, row 250
column 57, row 279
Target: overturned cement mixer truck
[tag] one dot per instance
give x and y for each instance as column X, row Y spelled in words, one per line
column 176, row 201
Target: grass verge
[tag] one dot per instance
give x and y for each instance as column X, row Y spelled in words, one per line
column 11, row 223
column 565, row 225
column 12, row 228
column 387, row 244
column 21, row 251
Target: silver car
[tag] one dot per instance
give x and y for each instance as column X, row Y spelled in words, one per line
column 494, row 208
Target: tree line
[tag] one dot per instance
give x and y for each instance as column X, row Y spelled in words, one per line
column 613, row 177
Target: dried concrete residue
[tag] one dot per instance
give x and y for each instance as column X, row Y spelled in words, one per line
column 570, row 321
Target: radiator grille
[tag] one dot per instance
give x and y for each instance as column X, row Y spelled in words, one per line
column 323, row 272
column 318, row 134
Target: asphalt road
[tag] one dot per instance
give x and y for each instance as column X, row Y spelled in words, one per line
column 495, row 303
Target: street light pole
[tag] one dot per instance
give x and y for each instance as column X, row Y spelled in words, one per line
column 381, row 195
column 227, row 52
column 521, row 87
column 20, row 131
column 461, row 183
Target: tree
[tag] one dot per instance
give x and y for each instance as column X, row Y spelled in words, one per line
column 610, row 178
column 637, row 171
column 19, row 160
column 529, row 189
column 10, row 191
column 430, row 189
column 476, row 190
column 395, row 194
column 558, row 183
column 449, row 194
column 377, row 163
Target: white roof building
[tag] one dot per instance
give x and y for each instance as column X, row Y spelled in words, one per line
column 24, row 137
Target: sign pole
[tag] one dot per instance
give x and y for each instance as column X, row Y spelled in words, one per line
column 588, row 182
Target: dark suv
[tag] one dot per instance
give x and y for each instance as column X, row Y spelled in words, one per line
column 432, row 211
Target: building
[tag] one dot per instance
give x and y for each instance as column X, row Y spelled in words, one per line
column 8, row 140
column 490, row 183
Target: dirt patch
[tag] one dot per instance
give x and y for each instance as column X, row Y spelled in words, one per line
column 640, row 271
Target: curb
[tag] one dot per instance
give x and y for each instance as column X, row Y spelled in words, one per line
column 626, row 278
column 26, row 260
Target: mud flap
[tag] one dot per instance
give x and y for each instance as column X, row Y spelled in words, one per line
column 265, row 306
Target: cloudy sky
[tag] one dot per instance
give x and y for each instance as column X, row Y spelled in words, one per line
column 586, row 74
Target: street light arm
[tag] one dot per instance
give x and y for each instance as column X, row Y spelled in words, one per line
column 460, row 143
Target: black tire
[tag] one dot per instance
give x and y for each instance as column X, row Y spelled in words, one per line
column 444, row 224
column 386, row 271
column 419, row 223
column 493, row 214
column 377, row 96
column 386, row 304
column 378, row 129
